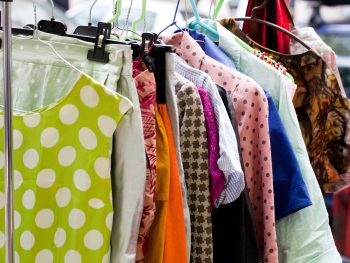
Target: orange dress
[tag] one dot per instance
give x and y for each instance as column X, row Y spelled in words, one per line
column 175, row 232
column 156, row 241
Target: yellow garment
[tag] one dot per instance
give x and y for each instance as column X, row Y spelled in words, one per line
column 155, row 248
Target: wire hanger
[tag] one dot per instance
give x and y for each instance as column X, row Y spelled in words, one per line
column 52, row 26
column 254, row 19
column 118, row 11
column 198, row 20
column 101, row 39
column 88, row 30
column 174, row 23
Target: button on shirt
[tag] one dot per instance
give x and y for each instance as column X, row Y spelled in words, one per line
column 252, row 110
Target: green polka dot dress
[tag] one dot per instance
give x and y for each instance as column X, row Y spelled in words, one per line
column 62, row 180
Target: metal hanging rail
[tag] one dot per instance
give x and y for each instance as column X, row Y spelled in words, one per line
column 8, row 164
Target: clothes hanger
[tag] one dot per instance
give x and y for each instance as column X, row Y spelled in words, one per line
column 253, row 18
column 88, row 30
column 174, row 23
column 217, row 9
column 52, row 26
column 117, row 12
column 198, row 20
column 100, row 40
column 139, row 19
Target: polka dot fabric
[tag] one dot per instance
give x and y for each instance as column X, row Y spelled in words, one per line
column 62, row 201
column 251, row 108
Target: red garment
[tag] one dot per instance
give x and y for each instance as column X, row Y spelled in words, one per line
column 146, row 90
column 341, row 219
column 280, row 17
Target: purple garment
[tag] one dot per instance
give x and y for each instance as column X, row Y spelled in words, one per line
column 217, row 178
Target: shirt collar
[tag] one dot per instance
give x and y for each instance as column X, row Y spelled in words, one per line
column 186, row 47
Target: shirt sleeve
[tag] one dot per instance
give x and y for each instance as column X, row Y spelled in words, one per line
column 128, row 178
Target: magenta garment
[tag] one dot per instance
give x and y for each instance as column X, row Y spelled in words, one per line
column 217, row 178
column 250, row 103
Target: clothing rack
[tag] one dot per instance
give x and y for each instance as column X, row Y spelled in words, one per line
column 8, row 161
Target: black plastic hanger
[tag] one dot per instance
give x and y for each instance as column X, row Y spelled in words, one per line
column 99, row 53
column 52, row 26
column 88, row 30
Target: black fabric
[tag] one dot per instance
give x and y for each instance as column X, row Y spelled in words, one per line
column 63, row 4
column 271, row 33
column 234, row 236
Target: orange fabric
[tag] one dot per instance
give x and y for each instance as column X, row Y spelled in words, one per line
column 175, row 232
column 156, row 241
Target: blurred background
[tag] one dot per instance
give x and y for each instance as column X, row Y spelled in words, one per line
column 329, row 18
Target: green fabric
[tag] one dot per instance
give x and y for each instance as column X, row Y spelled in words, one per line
column 304, row 236
column 62, row 161
column 40, row 77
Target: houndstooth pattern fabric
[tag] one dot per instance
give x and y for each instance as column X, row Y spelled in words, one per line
column 194, row 150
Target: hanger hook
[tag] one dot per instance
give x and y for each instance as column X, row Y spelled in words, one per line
column 257, row 8
column 52, row 8
column 91, row 7
column 35, row 29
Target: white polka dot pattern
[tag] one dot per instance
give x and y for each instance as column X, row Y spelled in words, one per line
column 17, row 219
column 2, row 200
column 69, row 114
column 2, row 160
column 31, row 158
column 102, row 167
column 46, row 178
column 82, row 180
column 62, row 175
column 18, row 179
column 28, row 199
column 17, row 139
column 49, row 137
column 31, row 121
column 2, row 239
column 67, row 155
column 27, row 240
column 72, row 256
column 96, row 203
column 44, row 256
column 60, row 237
column 93, row 240
column 44, row 218
column 89, row 96
column 106, row 125
column 87, row 138
column 63, row 197
column 76, row 218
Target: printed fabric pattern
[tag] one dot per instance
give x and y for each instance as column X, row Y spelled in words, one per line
column 252, row 116
column 194, row 150
column 146, row 90
column 313, row 40
column 63, row 209
column 323, row 113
